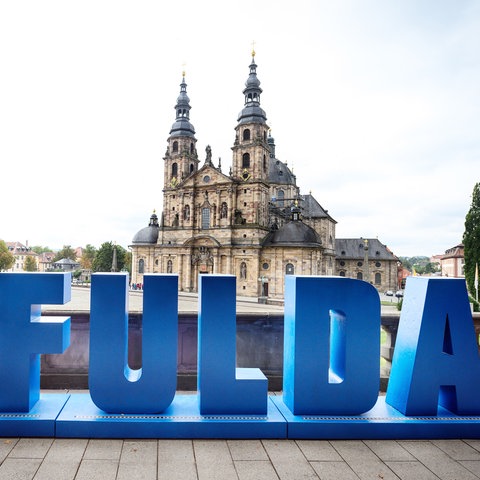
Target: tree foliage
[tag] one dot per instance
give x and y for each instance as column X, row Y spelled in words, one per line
column 471, row 239
column 88, row 256
column 7, row 259
column 66, row 252
column 39, row 249
column 104, row 258
column 30, row 265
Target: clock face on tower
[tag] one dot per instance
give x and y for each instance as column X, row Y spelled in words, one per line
column 246, row 175
column 173, row 182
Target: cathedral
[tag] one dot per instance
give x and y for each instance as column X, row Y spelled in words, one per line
column 253, row 222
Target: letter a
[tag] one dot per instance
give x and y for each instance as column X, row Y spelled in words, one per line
column 435, row 361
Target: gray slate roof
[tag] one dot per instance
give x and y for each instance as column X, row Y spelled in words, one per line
column 353, row 248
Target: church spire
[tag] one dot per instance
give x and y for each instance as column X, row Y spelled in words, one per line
column 252, row 113
column 182, row 125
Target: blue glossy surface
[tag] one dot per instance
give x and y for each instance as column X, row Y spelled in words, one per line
column 114, row 386
column 331, row 345
column 223, row 388
column 25, row 333
column 436, row 358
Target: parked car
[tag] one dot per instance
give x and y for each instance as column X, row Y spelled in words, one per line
column 389, row 293
column 399, row 294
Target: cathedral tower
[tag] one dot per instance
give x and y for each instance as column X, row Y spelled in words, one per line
column 181, row 158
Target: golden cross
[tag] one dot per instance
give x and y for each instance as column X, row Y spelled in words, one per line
column 253, row 48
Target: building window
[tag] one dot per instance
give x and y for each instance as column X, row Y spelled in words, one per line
column 359, row 276
column 289, row 269
column 246, row 160
column 342, row 263
column 191, row 168
column 265, row 266
column 378, row 264
column 342, row 273
column 192, row 148
column 141, row 266
column 174, row 169
column 246, row 134
column 175, row 147
column 169, row 266
column 280, row 197
column 378, row 278
column 359, row 264
column 205, row 218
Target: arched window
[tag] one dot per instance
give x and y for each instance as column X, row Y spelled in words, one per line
column 192, row 148
column 359, row 276
column 186, row 212
column 175, row 147
column 191, row 168
column 378, row 278
column 205, row 218
column 141, row 266
column 280, row 197
column 246, row 160
column 246, row 134
column 169, row 266
column 264, row 163
column 289, row 269
column 342, row 273
column 243, row 271
column 174, row 169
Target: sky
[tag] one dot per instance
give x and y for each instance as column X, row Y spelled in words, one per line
column 374, row 104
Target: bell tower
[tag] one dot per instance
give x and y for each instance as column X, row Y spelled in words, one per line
column 251, row 151
column 181, row 159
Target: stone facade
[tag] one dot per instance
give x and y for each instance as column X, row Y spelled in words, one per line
column 252, row 222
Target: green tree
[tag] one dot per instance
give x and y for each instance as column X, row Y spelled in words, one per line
column 104, row 258
column 66, row 252
column 7, row 259
column 30, row 265
column 89, row 253
column 38, row 249
column 471, row 239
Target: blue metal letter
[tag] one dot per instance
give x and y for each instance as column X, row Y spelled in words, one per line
column 114, row 386
column 224, row 389
column 435, row 361
column 25, row 334
column 331, row 356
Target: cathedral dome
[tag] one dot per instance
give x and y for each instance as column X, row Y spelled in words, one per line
column 293, row 234
column 148, row 234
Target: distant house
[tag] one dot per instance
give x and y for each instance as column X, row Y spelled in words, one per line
column 45, row 260
column 452, row 262
column 20, row 252
column 66, row 265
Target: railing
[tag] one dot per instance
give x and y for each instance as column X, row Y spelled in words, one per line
column 259, row 344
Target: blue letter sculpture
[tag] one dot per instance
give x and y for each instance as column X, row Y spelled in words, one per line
column 331, row 357
column 224, row 389
column 25, row 334
column 114, row 386
column 436, row 356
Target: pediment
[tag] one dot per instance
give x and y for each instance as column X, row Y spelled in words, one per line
column 207, row 175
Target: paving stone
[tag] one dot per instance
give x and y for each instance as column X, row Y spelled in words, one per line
column 6, row 446
column 255, row 470
column 472, row 466
column 247, row 450
column 438, row 461
column 288, row 460
column 97, row 470
column 318, row 450
column 412, row 471
column 98, row 449
column 138, row 460
column 31, row 448
column 19, row 468
column 457, row 449
column 176, row 460
column 214, row 461
column 62, row 460
column 389, row 450
column 334, row 471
